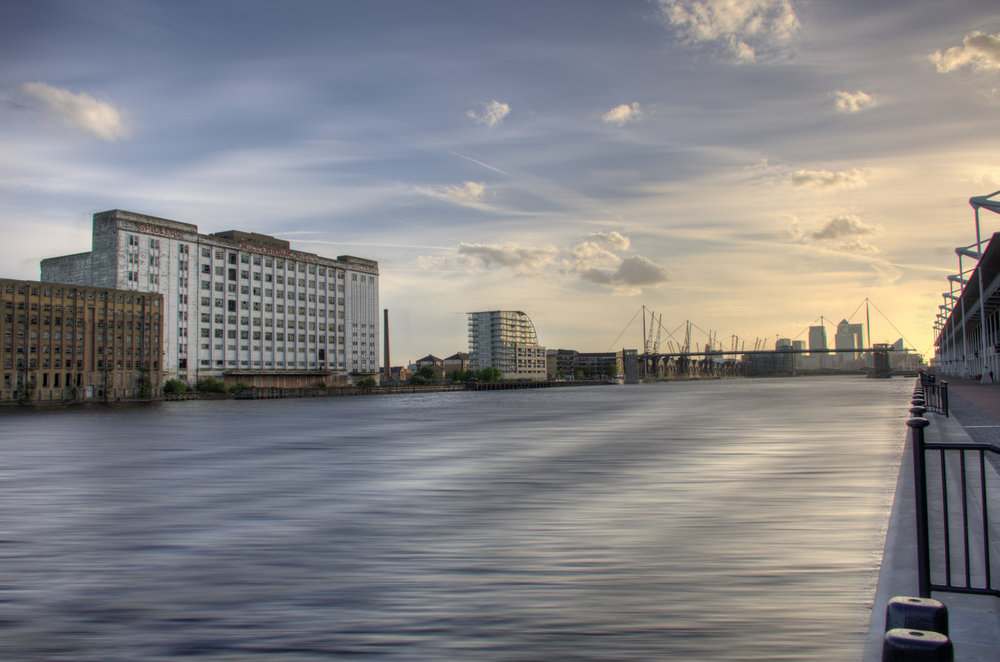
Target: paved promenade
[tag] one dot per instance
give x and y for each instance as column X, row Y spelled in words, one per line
column 974, row 620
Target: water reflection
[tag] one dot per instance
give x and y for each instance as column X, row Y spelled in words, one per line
column 736, row 520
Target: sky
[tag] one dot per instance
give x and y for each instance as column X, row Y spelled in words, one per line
column 750, row 166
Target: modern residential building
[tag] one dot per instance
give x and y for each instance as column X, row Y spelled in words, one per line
column 238, row 305
column 64, row 342
column 506, row 340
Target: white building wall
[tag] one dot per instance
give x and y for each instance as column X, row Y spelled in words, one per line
column 233, row 305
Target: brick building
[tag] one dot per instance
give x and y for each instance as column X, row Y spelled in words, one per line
column 64, row 342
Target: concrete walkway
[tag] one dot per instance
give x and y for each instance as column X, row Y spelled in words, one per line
column 974, row 620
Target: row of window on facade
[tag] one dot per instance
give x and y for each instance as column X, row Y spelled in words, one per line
column 71, row 293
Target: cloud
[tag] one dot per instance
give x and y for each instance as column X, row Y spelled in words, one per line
column 846, row 102
column 978, row 51
column 623, row 114
column 828, row 180
column 613, row 240
column 522, row 259
column 593, row 259
column 492, row 114
column 76, row 111
column 469, row 194
column 844, row 233
column 741, row 27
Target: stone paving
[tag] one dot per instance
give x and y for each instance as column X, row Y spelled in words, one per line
column 975, row 620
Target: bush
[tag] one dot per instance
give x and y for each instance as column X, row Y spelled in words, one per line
column 367, row 382
column 417, row 380
column 241, row 385
column 174, row 387
column 212, row 385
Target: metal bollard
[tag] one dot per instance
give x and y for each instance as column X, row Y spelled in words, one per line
column 906, row 645
column 916, row 614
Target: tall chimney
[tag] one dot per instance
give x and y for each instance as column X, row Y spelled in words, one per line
column 387, row 368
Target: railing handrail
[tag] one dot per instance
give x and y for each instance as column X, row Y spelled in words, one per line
column 919, row 448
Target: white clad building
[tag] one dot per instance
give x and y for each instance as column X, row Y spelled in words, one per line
column 506, row 340
column 238, row 305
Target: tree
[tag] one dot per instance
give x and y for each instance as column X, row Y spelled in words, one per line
column 611, row 370
column 427, row 372
column 367, row 383
column 212, row 385
column 174, row 387
column 489, row 374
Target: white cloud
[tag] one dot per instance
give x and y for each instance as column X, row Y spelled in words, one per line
column 522, row 259
column 469, row 194
column 978, row 51
column 623, row 114
column 741, row 27
column 613, row 240
column 848, row 102
column 76, row 111
column 828, row 180
column 492, row 113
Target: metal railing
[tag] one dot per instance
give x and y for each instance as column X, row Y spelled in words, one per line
column 953, row 485
column 935, row 394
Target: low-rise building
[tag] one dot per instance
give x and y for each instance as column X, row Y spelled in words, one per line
column 65, row 342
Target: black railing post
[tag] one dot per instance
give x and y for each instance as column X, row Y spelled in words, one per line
column 917, row 425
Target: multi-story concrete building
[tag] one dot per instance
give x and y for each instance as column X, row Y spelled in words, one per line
column 817, row 340
column 506, row 340
column 64, row 342
column 237, row 305
column 849, row 336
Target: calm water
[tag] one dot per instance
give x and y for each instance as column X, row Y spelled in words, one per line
column 725, row 520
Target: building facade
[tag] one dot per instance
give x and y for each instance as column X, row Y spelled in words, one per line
column 849, row 336
column 239, row 306
column 506, row 340
column 64, row 342
column 817, row 340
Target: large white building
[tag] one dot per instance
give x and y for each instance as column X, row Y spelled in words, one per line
column 506, row 340
column 238, row 305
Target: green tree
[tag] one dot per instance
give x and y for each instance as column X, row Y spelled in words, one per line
column 427, row 372
column 490, row 374
column 611, row 370
column 212, row 385
column 417, row 380
column 174, row 387
column 367, row 382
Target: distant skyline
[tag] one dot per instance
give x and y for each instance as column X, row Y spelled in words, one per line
column 748, row 165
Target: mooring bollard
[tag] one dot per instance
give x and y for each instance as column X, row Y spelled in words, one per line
column 907, row 645
column 916, row 614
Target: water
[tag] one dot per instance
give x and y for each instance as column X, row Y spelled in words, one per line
column 724, row 520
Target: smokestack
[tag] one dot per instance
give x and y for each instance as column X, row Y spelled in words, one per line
column 386, row 369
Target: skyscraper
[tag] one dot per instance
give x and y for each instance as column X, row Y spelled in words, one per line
column 817, row 340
